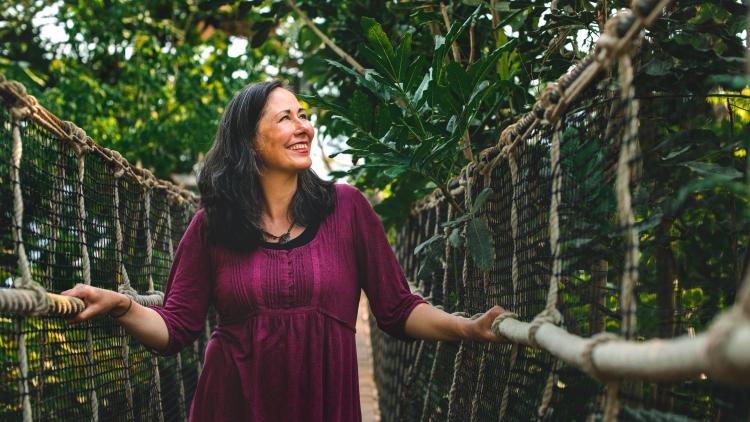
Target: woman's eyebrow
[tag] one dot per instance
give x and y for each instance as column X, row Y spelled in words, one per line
column 289, row 111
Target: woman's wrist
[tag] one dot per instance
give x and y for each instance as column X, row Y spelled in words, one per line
column 123, row 305
column 464, row 328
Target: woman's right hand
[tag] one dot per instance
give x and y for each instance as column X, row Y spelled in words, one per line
column 98, row 302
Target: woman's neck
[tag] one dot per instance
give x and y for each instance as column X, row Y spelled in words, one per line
column 278, row 191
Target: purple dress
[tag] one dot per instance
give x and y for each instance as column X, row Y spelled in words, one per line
column 283, row 348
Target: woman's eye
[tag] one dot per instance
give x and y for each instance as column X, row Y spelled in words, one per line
column 283, row 117
column 303, row 116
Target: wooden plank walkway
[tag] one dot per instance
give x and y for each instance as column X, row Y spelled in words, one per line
column 368, row 392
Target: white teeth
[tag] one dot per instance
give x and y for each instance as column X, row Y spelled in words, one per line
column 298, row 146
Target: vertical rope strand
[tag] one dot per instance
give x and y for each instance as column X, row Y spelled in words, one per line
column 42, row 301
column 56, row 211
column 428, row 391
column 447, row 270
column 86, row 268
column 554, row 241
column 120, row 274
column 23, row 363
column 458, row 363
column 480, row 383
column 149, row 254
column 624, row 200
column 486, row 350
column 513, row 166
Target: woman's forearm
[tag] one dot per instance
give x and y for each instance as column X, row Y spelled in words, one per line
column 427, row 322
column 144, row 324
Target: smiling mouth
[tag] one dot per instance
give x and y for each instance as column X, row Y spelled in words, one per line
column 302, row 146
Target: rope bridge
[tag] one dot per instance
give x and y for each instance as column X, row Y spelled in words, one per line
column 569, row 213
column 82, row 214
column 568, row 209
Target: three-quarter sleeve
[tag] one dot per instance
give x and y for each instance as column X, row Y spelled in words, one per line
column 188, row 292
column 380, row 275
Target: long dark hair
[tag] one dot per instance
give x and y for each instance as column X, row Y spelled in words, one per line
column 229, row 182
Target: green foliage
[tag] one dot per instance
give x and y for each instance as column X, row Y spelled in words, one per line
column 149, row 79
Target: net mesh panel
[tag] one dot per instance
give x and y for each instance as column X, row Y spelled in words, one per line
column 61, row 374
column 418, row 388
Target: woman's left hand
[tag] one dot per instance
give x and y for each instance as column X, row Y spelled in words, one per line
column 480, row 329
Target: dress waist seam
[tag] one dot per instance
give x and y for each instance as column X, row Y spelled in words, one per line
column 281, row 311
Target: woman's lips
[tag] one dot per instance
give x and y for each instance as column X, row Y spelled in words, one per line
column 304, row 149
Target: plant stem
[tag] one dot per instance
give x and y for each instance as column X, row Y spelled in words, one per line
column 446, row 193
column 327, row 41
column 454, row 47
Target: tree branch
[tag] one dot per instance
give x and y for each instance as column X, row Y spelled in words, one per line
column 327, row 41
column 454, row 46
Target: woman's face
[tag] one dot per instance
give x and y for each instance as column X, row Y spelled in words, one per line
column 284, row 134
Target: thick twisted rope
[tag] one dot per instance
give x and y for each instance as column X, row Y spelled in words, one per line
column 453, row 394
column 121, row 276
column 487, row 181
column 628, row 149
column 551, row 314
column 510, row 153
column 428, row 391
column 150, row 292
column 81, row 151
column 23, row 363
column 41, row 302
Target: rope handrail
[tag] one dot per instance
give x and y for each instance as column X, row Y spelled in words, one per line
column 606, row 357
column 15, row 97
column 622, row 363
column 66, row 227
column 37, row 301
column 621, row 30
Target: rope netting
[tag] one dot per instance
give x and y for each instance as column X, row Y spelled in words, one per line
column 571, row 211
column 75, row 212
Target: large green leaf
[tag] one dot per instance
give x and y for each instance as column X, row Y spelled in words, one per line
column 483, row 196
column 480, row 244
column 381, row 45
column 424, row 246
column 713, row 170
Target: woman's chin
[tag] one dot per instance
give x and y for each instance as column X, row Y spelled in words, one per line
column 302, row 165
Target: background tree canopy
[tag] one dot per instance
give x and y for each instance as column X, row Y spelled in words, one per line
column 443, row 78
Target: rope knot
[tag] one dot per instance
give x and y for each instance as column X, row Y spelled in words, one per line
column 81, row 146
column 499, row 320
column 549, row 99
column 719, row 333
column 41, row 303
column 128, row 291
column 506, row 137
column 588, row 351
column 549, row 315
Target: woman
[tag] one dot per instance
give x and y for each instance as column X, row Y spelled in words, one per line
column 281, row 255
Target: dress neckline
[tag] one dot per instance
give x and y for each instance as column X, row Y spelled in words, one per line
column 304, row 238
